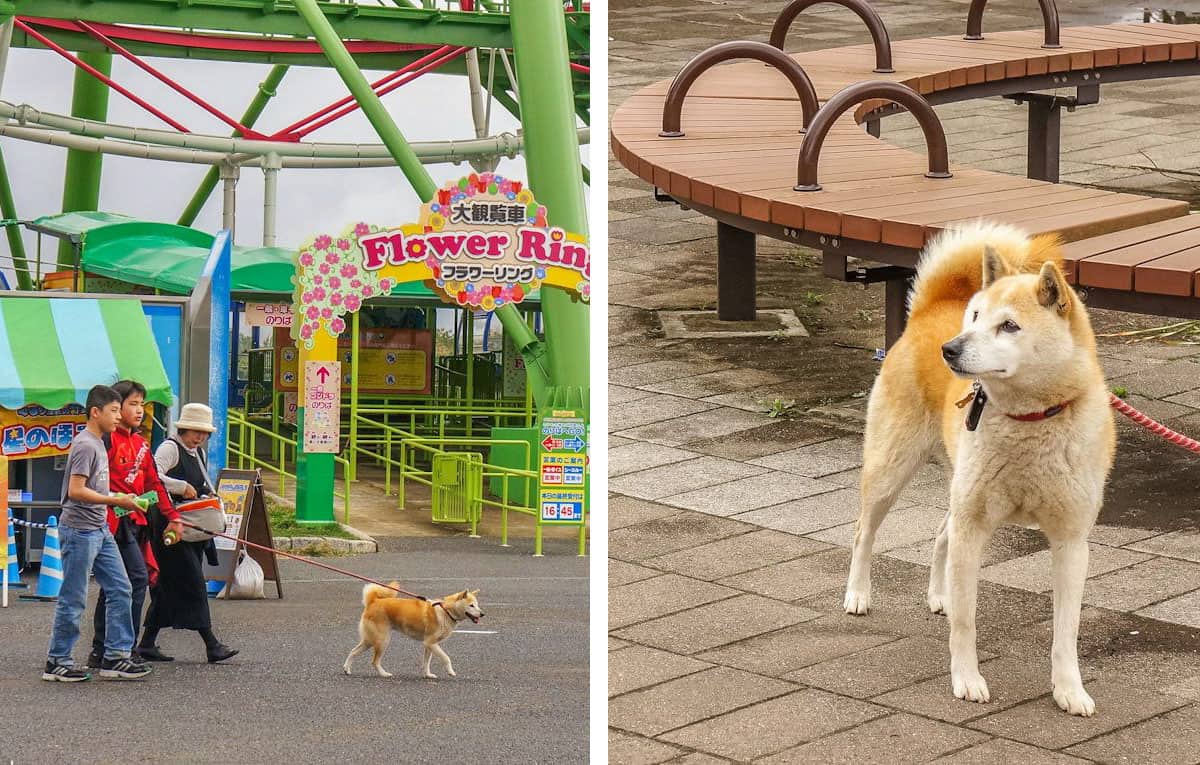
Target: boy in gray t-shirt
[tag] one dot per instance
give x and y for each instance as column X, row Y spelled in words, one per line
column 87, row 544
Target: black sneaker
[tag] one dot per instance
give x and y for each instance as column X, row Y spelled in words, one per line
column 123, row 669
column 94, row 659
column 64, row 674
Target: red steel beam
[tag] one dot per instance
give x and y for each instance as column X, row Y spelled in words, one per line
column 109, row 43
column 97, row 74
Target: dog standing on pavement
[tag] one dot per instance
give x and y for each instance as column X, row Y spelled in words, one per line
column 431, row 622
column 999, row 363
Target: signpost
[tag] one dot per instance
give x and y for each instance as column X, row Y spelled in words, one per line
column 322, row 406
column 562, row 476
column 241, row 493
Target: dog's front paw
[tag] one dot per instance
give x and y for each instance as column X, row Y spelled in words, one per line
column 1074, row 701
column 451, row 673
column 383, row 673
column 970, row 686
column 346, row 668
column 857, row 602
column 431, row 676
column 936, row 601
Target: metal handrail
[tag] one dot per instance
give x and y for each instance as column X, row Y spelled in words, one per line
column 1049, row 22
column 935, row 136
column 708, row 58
column 879, row 34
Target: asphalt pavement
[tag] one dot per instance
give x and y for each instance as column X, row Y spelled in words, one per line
column 521, row 694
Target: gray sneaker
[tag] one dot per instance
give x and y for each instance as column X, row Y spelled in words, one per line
column 63, row 674
column 123, row 669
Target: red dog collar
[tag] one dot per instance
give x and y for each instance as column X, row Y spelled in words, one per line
column 1044, row 415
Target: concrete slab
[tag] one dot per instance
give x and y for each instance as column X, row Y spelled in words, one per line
column 796, row 579
column 679, row 478
column 666, row 594
column 783, row 651
column 679, row 531
column 1184, row 609
column 1170, row 740
column 1140, row 585
column 709, row 626
column 893, row 739
column 817, row 460
column 881, row 669
column 638, row 667
column 717, row 422
column 808, row 515
column 642, row 456
column 999, row 750
column 1034, row 573
column 746, row 494
column 734, row 555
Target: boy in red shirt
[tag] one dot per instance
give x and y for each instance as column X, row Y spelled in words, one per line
column 131, row 470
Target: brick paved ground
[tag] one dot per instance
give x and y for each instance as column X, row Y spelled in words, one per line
column 729, row 530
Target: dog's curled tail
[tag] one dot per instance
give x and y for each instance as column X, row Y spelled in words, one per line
column 951, row 266
column 373, row 592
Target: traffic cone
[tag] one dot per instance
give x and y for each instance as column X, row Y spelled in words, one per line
column 51, row 577
column 14, row 573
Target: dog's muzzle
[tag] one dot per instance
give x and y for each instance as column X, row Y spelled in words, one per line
column 475, row 619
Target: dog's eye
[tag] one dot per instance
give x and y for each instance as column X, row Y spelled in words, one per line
column 1010, row 327
column 975, row 316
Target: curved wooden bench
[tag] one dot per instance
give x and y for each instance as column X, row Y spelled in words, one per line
column 738, row 161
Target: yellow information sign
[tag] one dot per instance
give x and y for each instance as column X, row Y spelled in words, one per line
column 390, row 361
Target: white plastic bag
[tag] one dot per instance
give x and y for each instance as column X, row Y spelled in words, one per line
column 247, row 580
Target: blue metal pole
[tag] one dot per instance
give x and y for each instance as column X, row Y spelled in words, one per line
column 217, row 269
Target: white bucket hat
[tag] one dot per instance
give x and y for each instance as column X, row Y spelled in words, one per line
column 195, row 417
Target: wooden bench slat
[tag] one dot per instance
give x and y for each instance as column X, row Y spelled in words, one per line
column 1175, row 274
column 1114, row 269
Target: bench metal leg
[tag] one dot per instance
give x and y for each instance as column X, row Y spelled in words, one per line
column 1045, row 122
column 895, row 309
column 735, row 274
column 872, row 127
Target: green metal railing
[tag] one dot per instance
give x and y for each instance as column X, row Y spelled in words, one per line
column 242, row 447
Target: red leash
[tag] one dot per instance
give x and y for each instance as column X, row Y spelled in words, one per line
column 1154, row 427
column 309, row 561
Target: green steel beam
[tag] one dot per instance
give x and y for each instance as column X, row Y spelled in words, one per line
column 349, row 21
column 266, row 91
column 368, row 100
column 81, row 184
column 555, row 176
column 16, row 245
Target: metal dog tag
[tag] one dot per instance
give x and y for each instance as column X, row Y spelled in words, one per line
column 976, row 410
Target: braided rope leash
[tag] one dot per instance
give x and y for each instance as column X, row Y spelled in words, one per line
column 30, row 524
column 1151, row 425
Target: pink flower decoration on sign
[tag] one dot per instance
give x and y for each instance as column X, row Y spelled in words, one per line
column 306, row 331
column 338, row 325
column 327, row 313
column 353, row 303
column 362, row 229
column 349, row 270
column 324, row 268
column 334, row 282
column 312, row 312
column 343, row 244
column 306, row 259
column 335, row 298
column 322, row 242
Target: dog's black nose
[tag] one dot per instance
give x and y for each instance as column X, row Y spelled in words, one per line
column 952, row 350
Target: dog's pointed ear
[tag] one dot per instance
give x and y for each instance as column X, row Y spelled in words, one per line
column 994, row 266
column 474, row 592
column 462, row 594
column 1052, row 289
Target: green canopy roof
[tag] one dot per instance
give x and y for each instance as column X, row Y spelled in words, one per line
column 170, row 258
column 53, row 350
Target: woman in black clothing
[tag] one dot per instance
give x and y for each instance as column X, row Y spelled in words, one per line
column 180, row 599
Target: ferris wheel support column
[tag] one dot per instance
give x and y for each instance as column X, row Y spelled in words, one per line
column 552, row 158
column 478, row 110
column 8, row 208
column 81, row 182
column 229, row 178
column 270, row 168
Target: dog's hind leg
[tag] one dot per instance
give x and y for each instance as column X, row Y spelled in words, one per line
column 936, row 594
column 361, row 647
column 441, row 654
column 428, row 657
column 380, row 647
column 892, row 452
column 1069, row 562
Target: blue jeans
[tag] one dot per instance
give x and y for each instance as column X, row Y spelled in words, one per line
column 97, row 550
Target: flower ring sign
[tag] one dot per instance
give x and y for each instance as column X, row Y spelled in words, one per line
column 482, row 242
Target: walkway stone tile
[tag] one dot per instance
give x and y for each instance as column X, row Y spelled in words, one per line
column 619, row 394
column 895, row 739
column 1177, row 544
column 642, row 456
column 796, row 579
column 902, row 527
column 709, row 626
column 666, row 369
column 1168, row 740
column 689, row 699
column 1033, row 572
column 622, row 573
column 714, row 423
column 713, row 383
column 1001, row 750
column 666, row 594
column 880, row 669
column 676, row 532
column 1118, row 536
column 682, row 477
column 1189, row 688
column 699, row 758
column 628, row 511
column 787, row 650
column 736, row 554
column 805, row 516
column 1163, row 380
column 1007, row 543
column 817, row 460
column 1137, row 586
column 616, row 644
column 776, row 436
column 1042, row 723
column 751, row 493
column 775, row 725
column 639, row 667
column 1011, row 682
column 1182, row 610
column 624, row 749
column 652, row 408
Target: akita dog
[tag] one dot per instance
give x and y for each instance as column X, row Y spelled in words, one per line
column 998, row 362
column 431, row 622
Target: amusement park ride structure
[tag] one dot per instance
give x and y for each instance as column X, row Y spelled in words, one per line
column 531, row 57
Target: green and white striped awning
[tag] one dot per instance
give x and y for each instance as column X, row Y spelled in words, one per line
column 53, row 350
